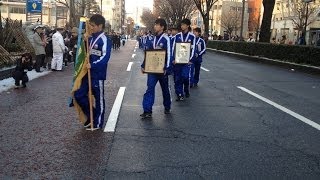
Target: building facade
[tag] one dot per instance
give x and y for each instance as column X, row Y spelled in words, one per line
column 282, row 21
column 53, row 14
column 119, row 16
column 225, row 17
column 108, row 13
column 255, row 10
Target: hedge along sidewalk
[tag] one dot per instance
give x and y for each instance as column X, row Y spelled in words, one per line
column 306, row 61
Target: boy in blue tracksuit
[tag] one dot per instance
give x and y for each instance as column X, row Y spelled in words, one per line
column 182, row 71
column 199, row 51
column 147, row 41
column 100, row 50
column 160, row 41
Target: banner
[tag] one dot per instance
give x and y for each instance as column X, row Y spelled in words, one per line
column 80, row 70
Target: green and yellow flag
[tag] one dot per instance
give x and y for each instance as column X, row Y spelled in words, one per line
column 80, row 70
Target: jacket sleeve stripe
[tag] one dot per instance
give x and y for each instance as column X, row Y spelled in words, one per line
column 203, row 47
column 168, row 52
column 193, row 47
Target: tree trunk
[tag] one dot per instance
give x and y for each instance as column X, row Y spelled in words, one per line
column 72, row 18
column 206, row 25
column 265, row 33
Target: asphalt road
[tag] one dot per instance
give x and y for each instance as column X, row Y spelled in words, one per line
column 220, row 132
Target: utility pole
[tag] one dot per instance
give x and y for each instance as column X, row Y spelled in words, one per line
column 242, row 19
column 306, row 20
column 101, row 6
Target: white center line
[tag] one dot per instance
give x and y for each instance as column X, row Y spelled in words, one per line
column 113, row 117
column 205, row 69
column 129, row 66
column 134, row 50
column 133, row 55
column 288, row 111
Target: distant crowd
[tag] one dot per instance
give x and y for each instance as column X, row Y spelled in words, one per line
column 54, row 49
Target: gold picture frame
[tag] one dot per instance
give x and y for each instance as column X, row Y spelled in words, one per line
column 182, row 52
column 154, row 61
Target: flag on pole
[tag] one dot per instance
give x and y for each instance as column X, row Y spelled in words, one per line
column 80, row 70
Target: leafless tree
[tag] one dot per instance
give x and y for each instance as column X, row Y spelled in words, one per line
column 231, row 21
column 130, row 26
column 174, row 10
column 204, row 7
column 78, row 9
column 299, row 11
column 148, row 19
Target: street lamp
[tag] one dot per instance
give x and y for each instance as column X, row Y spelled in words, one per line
column 306, row 20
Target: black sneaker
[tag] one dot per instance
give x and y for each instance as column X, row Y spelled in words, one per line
column 146, row 115
column 187, row 95
column 87, row 124
column 24, row 85
column 180, row 98
column 167, row 111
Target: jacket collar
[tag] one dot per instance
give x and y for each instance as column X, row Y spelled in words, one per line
column 96, row 34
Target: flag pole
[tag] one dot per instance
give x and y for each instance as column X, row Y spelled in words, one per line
column 89, row 73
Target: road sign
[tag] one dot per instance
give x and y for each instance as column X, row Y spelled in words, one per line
column 34, row 6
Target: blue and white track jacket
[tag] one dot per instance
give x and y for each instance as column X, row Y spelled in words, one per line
column 161, row 41
column 100, row 51
column 200, row 49
column 188, row 37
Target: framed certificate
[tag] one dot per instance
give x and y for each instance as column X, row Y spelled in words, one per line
column 182, row 52
column 154, row 61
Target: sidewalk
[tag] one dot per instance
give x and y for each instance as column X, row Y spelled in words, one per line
column 8, row 83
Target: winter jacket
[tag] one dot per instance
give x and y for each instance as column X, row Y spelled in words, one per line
column 161, row 41
column 38, row 44
column 188, row 37
column 200, row 49
column 100, row 51
column 58, row 43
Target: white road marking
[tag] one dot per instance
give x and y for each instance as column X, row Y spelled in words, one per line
column 284, row 109
column 205, row 69
column 134, row 50
column 113, row 117
column 133, row 55
column 129, row 66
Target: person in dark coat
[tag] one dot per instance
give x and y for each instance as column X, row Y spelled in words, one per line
column 24, row 64
column 49, row 48
column 73, row 44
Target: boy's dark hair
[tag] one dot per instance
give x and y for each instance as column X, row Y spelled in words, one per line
column 197, row 30
column 98, row 19
column 186, row 21
column 174, row 29
column 162, row 23
column 27, row 55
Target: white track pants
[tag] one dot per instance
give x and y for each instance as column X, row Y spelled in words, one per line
column 57, row 61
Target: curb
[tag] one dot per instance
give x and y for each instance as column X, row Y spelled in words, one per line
column 294, row 66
